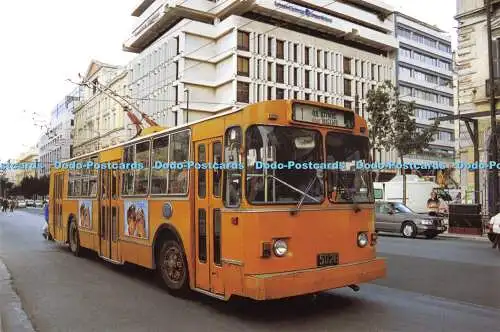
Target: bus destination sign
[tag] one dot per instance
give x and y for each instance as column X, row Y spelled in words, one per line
column 322, row 115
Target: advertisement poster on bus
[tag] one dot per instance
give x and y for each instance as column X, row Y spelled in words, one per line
column 85, row 214
column 136, row 219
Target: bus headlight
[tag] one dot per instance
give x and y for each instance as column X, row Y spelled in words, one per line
column 362, row 239
column 280, row 248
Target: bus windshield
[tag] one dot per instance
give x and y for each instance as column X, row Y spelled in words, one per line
column 285, row 148
column 348, row 184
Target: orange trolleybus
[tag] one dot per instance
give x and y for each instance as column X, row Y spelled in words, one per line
column 269, row 202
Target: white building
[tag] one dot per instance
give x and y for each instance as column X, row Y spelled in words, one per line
column 424, row 75
column 473, row 86
column 56, row 143
column 99, row 119
column 210, row 56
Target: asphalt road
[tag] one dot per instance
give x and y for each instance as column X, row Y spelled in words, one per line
column 432, row 285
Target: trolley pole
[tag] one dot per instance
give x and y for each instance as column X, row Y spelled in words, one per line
column 493, row 146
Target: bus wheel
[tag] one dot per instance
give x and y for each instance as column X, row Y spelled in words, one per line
column 172, row 268
column 74, row 238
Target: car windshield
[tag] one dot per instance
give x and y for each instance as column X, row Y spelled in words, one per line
column 401, row 208
column 288, row 148
column 348, row 184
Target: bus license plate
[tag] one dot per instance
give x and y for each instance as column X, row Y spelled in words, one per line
column 328, row 259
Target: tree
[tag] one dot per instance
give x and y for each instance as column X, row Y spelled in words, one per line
column 379, row 122
column 398, row 128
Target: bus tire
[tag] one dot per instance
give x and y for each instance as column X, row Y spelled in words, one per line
column 74, row 238
column 172, row 268
column 409, row 230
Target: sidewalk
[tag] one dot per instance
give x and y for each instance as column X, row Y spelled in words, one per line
column 484, row 237
column 12, row 315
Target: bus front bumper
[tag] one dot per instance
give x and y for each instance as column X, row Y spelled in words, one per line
column 287, row 284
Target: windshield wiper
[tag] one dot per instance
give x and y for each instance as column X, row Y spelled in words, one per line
column 293, row 188
column 307, row 190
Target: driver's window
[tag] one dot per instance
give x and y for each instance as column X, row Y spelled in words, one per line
column 395, row 209
column 386, row 208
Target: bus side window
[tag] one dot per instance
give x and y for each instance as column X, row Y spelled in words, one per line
column 202, row 173
column 217, row 158
column 179, row 153
column 232, row 159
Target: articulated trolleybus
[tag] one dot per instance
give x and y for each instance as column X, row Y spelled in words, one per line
column 293, row 217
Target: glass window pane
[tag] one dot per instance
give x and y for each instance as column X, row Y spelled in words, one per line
column 179, row 154
column 202, row 173
column 159, row 157
column 217, row 158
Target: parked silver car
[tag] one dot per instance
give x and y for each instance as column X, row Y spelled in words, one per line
column 396, row 217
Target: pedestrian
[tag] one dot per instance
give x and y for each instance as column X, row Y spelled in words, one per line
column 458, row 198
column 5, row 205
column 433, row 203
column 12, row 204
column 495, row 228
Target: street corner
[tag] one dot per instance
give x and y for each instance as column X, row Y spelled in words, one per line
column 12, row 315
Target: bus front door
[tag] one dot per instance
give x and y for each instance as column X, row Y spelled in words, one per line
column 58, row 229
column 208, row 204
column 109, row 215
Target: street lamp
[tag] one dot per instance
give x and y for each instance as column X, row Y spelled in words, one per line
column 186, row 91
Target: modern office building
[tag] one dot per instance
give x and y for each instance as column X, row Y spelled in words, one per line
column 199, row 57
column 473, row 86
column 56, row 142
column 425, row 75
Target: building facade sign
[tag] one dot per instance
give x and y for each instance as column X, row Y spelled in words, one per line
column 302, row 11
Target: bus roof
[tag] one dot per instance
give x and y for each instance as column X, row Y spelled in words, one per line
column 189, row 124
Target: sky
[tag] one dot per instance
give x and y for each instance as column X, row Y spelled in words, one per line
column 44, row 43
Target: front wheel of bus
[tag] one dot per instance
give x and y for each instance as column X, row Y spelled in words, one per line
column 74, row 239
column 172, row 268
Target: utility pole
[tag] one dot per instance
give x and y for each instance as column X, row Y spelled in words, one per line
column 493, row 144
column 187, row 105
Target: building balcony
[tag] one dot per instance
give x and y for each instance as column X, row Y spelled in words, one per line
column 427, row 103
column 446, row 143
column 161, row 15
column 426, row 48
column 419, row 64
column 423, row 27
column 426, row 157
column 425, row 84
column 442, row 124
column 368, row 18
column 299, row 15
